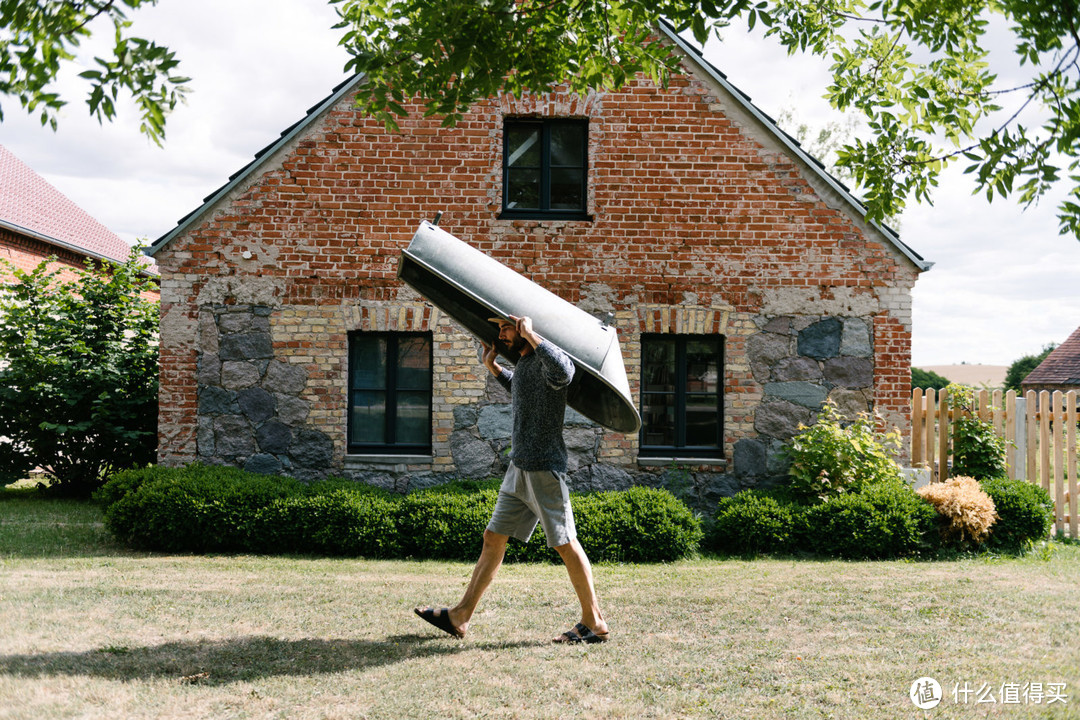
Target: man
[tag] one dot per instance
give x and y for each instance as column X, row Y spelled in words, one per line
column 534, row 488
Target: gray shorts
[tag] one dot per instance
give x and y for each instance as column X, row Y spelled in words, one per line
column 527, row 497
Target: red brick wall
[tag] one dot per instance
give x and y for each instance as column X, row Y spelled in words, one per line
column 27, row 253
column 692, row 209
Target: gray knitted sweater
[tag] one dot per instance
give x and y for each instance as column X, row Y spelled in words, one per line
column 538, row 386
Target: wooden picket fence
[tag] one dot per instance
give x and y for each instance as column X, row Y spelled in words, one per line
column 1040, row 430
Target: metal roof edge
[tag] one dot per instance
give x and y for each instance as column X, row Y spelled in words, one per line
column 813, row 163
column 261, row 156
column 67, row 246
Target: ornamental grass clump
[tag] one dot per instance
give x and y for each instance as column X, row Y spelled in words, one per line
column 967, row 512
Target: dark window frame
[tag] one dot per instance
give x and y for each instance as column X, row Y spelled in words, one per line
column 545, row 212
column 391, row 446
column 680, row 448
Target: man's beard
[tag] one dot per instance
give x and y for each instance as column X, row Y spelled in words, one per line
column 517, row 346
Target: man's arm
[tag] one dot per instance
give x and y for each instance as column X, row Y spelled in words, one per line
column 558, row 367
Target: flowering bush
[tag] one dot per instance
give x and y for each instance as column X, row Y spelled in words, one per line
column 836, row 456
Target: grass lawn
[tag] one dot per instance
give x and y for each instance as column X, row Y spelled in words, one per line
column 91, row 630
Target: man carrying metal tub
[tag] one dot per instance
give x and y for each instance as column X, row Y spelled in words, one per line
column 534, row 489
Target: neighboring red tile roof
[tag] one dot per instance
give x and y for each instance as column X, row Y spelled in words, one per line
column 30, row 204
column 1061, row 366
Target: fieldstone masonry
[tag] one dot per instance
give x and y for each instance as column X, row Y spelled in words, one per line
column 801, row 362
column 251, row 410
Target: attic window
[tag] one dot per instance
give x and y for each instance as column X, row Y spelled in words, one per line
column 545, row 165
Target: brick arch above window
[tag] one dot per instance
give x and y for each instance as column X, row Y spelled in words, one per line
column 556, row 104
column 393, row 317
column 683, row 319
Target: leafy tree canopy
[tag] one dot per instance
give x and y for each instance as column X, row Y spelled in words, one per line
column 38, row 38
column 1022, row 367
column 927, row 379
column 919, row 72
column 78, row 373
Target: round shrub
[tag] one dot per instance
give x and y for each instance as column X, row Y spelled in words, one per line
column 753, row 522
column 635, row 525
column 1025, row 513
column 885, row 520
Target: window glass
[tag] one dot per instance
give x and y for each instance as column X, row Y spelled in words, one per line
column 702, row 421
column 414, row 363
column 681, row 395
column 545, row 168
column 369, row 363
column 368, row 417
column 702, row 373
column 568, row 145
column 659, row 419
column 523, row 189
column 413, row 411
column 567, row 190
column 389, row 392
column 523, row 147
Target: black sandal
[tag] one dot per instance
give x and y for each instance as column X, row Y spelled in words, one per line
column 440, row 620
column 581, row 634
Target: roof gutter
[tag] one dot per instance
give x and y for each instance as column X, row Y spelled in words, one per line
column 33, row 234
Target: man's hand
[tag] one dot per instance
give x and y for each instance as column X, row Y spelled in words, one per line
column 489, row 358
column 525, row 329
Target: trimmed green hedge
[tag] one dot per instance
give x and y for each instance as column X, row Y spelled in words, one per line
column 884, row 520
column 215, row 509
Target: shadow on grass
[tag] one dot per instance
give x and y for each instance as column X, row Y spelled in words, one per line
column 217, row 662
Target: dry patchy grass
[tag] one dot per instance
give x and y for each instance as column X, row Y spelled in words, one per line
column 99, row 632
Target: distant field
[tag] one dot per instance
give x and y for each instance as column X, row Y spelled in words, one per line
column 976, row 375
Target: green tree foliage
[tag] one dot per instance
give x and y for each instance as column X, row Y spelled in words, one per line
column 78, row 374
column 927, row 379
column 1022, row 367
column 918, row 72
column 38, row 38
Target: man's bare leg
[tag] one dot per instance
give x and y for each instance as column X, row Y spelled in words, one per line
column 487, row 566
column 580, row 570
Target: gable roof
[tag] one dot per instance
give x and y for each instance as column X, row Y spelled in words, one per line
column 30, row 206
column 1060, row 367
column 313, row 113
column 693, row 53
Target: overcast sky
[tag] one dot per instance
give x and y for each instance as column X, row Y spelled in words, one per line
column 1004, row 282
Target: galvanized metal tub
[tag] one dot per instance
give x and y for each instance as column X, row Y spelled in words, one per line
column 471, row 287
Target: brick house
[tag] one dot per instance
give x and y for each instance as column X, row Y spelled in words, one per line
column 744, row 284
column 37, row 222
